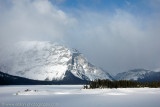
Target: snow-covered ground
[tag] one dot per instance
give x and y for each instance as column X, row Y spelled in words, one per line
column 75, row 96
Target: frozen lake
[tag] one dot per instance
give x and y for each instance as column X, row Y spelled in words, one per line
column 75, row 96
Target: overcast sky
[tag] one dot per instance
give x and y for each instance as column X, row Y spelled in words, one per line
column 116, row 35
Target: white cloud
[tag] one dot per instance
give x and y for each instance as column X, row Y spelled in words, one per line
column 120, row 41
column 114, row 41
column 37, row 19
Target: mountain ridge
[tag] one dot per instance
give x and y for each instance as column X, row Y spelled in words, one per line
column 139, row 75
column 39, row 60
column 7, row 79
column 46, row 61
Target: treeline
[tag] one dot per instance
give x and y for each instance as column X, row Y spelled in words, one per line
column 121, row 84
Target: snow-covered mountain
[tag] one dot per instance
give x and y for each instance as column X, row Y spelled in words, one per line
column 138, row 75
column 39, row 60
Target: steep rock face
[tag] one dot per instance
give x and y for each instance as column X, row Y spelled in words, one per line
column 135, row 74
column 81, row 68
column 47, row 61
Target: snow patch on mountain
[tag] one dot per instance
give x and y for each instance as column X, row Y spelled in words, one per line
column 157, row 70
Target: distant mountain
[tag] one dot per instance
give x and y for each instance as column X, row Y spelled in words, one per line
column 138, row 75
column 152, row 76
column 46, row 61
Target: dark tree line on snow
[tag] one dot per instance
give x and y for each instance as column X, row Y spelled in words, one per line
column 121, row 84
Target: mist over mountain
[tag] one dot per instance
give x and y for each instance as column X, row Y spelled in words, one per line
column 142, row 75
column 112, row 34
column 46, row 61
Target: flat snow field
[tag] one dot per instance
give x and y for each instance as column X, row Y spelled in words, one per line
column 75, row 96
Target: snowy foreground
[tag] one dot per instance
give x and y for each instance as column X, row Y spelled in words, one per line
column 75, row 96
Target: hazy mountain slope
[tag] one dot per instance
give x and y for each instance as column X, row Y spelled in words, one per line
column 138, row 75
column 47, row 61
column 152, row 76
column 6, row 79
